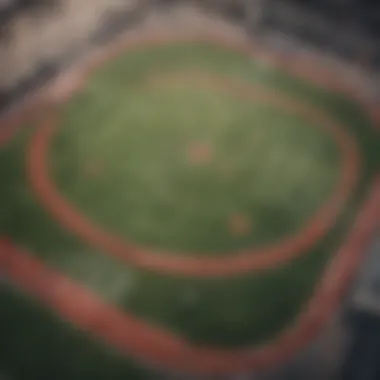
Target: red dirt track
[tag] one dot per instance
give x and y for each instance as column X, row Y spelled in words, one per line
column 160, row 347
column 155, row 345
column 192, row 265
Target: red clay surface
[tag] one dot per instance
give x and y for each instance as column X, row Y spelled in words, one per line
column 200, row 154
column 151, row 344
column 257, row 258
column 239, row 225
column 160, row 347
column 9, row 127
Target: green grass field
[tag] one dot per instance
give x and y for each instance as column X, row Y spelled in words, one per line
column 167, row 166
column 265, row 164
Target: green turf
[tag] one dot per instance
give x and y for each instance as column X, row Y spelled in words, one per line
column 142, row 174
column 276, row 169
column 35, row 345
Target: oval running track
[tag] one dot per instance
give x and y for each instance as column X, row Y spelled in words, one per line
column 145, row 343
column 235, row 263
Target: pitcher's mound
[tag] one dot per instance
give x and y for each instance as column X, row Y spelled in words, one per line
column 239, row 225
column 200, row 154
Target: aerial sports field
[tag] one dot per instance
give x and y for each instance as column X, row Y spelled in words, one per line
column 190, row 207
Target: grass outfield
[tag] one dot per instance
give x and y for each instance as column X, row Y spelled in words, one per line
column 164, row 197
column 181, row 167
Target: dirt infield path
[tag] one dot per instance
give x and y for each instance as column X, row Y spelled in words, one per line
column 194, row 265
